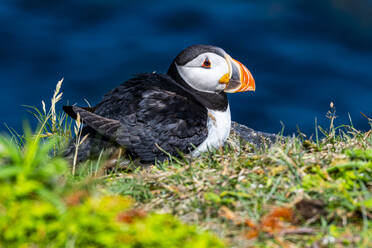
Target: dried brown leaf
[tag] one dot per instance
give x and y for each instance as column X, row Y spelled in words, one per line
column 130, row 215
column 75, row 198
column 226, row 213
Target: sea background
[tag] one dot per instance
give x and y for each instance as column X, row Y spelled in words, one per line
column 303, row 54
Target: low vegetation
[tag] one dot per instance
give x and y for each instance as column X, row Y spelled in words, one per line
column 299, row 192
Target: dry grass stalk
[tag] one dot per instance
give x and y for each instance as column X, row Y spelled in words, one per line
column 78, row 141
column 57, row 96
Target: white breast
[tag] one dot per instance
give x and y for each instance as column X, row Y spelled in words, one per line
column 219, row 124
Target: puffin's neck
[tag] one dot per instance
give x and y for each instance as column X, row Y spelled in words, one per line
column 212, row 101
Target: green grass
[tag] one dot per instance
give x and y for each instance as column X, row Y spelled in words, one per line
column 299, row 192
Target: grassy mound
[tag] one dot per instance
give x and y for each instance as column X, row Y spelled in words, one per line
column 299, row 192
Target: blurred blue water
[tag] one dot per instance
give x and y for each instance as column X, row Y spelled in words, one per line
column 302, row 54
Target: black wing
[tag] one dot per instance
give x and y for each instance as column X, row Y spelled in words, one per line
column 146, row 113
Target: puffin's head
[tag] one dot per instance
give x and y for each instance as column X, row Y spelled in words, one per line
column 210, row 69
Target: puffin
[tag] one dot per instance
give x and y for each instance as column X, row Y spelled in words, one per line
column 153, row 116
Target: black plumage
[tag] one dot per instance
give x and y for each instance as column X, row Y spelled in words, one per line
column 143, row 114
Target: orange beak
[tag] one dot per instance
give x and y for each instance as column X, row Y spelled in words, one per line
column 239, row 78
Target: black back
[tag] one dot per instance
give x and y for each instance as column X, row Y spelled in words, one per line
column 148, row 114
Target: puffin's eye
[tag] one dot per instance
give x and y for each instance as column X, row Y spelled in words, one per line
column 206, row 63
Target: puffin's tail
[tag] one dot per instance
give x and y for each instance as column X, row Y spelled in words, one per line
column 69, row 110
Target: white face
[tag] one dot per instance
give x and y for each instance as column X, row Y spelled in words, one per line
column 204, row 72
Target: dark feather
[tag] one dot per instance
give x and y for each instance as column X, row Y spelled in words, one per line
column 102, row 125
column 70, row 111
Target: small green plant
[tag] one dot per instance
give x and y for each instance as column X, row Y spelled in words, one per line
column 344, row 184
column 52, row 123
